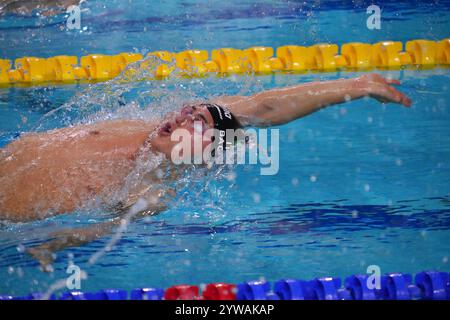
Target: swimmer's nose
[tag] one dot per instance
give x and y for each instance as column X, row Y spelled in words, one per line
column 187, row 110
column 180, row 119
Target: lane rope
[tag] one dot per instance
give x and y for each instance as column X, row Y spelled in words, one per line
column 225, row 61
column 426, row 285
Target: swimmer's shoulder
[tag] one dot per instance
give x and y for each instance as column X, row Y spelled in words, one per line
column 128, row 125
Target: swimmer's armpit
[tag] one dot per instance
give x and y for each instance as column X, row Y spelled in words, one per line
column 282, row 105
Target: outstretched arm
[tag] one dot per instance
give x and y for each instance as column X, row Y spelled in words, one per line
column 67, row 238
column 279, row 106
column 74, row 237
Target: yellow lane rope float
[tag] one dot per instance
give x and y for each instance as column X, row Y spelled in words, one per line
column 195, row 63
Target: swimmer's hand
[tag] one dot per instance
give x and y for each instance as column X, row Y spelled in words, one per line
column 74, row 237
column 71, row 237
column 381, row 89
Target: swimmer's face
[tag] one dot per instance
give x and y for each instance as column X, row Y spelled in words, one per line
column 189, row 120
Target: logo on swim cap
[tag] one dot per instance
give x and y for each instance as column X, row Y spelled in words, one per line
column 222, row 123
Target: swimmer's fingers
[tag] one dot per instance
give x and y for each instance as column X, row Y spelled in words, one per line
column 400, row 97
column 43, row 255
column 381, row 89
column 386, row 93
column 397, row 96
column 392, row 81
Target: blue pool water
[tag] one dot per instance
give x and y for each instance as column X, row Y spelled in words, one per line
column 359, row 184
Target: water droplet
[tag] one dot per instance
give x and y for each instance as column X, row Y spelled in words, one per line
column 231, row 176
column 256, row 197
column 19, row 272
column 47, row 268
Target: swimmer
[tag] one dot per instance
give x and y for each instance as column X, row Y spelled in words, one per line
column 59, row 171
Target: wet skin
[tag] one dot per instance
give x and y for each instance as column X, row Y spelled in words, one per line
column 58, row 171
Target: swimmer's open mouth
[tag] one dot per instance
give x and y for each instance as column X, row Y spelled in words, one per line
column 166, row 129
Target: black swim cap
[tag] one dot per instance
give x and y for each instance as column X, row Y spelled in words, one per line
column 223, row 120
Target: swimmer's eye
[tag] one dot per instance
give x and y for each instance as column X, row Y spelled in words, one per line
column 187, row 110
column 200, row 117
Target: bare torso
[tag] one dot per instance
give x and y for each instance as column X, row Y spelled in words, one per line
column 57, row 171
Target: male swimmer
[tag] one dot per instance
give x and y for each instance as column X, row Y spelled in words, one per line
column 59, row 171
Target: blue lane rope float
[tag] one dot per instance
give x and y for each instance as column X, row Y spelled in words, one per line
column 427, row 285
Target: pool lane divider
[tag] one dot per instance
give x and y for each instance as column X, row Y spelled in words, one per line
column 427, row 285
column 225, row 61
